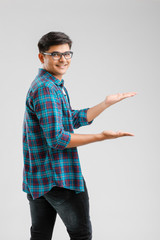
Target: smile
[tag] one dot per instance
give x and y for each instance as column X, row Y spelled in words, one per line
column 61, row 66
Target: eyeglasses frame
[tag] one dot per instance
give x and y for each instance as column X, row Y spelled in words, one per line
column 51, row 54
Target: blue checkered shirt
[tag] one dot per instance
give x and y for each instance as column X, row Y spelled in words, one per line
column 48, row 122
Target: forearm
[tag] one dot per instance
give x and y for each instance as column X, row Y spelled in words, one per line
column 93, row 112
column 83, row 139
column 109, row 100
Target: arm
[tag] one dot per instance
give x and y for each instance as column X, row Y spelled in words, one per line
column 48, row 111
column 83, row 139
column 109, row 100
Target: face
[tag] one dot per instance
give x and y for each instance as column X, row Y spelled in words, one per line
column 56, row 67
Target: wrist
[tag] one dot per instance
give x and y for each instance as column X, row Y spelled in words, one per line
column 100, row 136
column 106, row 104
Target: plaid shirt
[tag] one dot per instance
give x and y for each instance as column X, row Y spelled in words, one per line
column 48, row 122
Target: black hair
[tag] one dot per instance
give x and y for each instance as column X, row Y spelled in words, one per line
column 53, row 38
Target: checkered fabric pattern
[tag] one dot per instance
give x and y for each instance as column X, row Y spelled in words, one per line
column 48, row 122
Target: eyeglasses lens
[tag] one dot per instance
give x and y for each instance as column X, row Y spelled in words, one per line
column 57, row 56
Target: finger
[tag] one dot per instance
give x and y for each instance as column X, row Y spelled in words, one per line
column 126, row 95
column 129, row 94
column 128, row 134
column 121, row 134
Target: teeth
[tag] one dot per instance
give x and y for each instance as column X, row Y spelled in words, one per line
column 61, row 65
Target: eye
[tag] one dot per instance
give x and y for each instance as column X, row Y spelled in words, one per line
column 56, row 54
column 67, row 53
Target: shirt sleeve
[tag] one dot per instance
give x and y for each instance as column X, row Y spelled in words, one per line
column 48, row 111
column 79, row 118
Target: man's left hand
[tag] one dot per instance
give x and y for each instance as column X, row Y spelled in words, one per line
column 112, row 99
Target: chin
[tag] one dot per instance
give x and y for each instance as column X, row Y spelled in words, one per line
column 62, row 72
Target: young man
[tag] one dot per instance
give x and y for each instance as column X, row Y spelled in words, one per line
column 52, row 176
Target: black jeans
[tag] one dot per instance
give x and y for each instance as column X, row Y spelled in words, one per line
column 72, row 208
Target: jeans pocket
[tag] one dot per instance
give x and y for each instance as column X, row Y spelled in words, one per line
column 58, row 195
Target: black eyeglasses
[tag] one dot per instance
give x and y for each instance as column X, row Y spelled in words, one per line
column 58, row 55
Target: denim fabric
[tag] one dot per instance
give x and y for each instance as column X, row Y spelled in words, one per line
column 72, row 208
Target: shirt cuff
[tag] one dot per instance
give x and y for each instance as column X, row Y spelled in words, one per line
column 63, row 140
column 84, row 120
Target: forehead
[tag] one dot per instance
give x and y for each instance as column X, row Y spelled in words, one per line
column 59, row 48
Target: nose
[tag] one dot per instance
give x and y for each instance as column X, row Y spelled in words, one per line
column 62, row 59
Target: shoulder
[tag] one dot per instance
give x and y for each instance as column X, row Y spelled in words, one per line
column 41, row 86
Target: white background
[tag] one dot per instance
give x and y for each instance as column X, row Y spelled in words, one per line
column 116, row 48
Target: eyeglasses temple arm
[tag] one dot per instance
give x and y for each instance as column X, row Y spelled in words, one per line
column 46, row 53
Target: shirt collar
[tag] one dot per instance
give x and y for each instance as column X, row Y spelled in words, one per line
column 43, row 72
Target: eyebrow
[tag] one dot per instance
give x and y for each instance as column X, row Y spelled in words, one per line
column 60, row 52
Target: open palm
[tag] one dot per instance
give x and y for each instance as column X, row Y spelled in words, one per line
column 111, row 134
column 111, row 99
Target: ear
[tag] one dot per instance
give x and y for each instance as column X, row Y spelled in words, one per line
column 41, row 57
